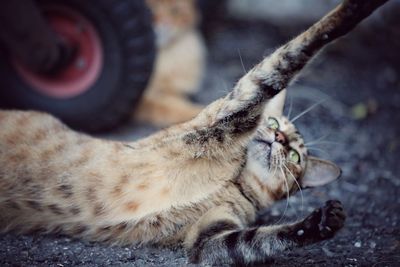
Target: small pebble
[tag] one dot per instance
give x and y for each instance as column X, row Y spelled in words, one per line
column 300, row 232
column 357, row 244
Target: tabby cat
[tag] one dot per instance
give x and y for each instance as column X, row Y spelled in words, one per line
column 179, row 65
column 200, row 183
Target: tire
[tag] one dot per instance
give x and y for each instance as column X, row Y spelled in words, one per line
column 124, row 28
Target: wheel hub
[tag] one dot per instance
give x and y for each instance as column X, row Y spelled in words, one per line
column 83, row 68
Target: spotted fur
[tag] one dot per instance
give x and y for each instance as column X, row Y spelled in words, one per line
column 200, row 183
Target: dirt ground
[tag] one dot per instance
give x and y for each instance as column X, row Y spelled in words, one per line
column 357, row 126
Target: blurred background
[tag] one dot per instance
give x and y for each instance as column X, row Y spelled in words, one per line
column 116, row 69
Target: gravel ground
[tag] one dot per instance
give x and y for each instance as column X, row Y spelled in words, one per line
column 357, row 126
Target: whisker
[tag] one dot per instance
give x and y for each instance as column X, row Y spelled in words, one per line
column 318, row 149
column 290, row 108
column 322, row 142
column 322, row 137
column 307, row 110
column 241, row 61
column 298, row 185
column 287, row 196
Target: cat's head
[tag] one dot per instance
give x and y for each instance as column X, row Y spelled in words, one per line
column 278, row 158
column 172, row 18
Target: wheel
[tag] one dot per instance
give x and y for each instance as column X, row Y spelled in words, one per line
column 111, row 66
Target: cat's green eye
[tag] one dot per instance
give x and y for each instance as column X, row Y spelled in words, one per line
column 294, row 156
column 273, row 123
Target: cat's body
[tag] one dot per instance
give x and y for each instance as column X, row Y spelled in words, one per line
column 179, row 65
column 74, row 181
column 200, row 183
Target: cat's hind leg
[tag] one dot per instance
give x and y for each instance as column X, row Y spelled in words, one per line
column 225, row 241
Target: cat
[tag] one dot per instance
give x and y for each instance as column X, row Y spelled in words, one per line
column 200, row 183
column 179, row 65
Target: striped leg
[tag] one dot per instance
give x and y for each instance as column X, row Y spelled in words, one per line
column 224, row 121
column 224, row 241
column 227, row 124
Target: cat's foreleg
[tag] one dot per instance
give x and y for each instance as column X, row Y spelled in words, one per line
column 224, row 241
column 230, row 118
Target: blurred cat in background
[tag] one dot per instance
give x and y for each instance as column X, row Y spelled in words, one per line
column 179, row 65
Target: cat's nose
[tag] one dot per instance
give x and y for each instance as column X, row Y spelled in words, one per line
column 280, row 137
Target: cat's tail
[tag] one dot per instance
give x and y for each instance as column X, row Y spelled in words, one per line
column 277, row 70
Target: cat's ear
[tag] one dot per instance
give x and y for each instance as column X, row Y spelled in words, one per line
column 319, row 172
column 274, row 106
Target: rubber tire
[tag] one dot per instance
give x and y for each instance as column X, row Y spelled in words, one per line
column 125, row 30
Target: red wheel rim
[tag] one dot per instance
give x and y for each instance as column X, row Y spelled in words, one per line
column 83, row 70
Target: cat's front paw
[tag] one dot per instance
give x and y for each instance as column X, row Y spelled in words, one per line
column 320, row 225
column 332, row 219
column 324, row 222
